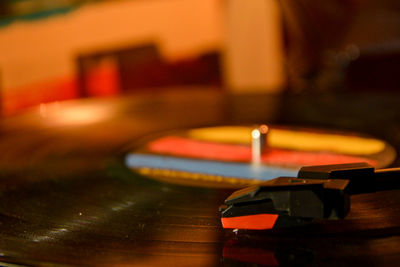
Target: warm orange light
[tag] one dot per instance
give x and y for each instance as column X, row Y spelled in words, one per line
column 61, row 114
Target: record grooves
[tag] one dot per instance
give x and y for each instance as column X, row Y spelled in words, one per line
column 67, row 197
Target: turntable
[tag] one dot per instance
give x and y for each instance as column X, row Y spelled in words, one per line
column 69, row 198
column 188, row 176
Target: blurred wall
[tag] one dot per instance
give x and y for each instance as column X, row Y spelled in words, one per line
column 37, row 58
column 40, row 51
column 254, row 56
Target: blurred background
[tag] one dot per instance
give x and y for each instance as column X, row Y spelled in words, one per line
column 67, row 49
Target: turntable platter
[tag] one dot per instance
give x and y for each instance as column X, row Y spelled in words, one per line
column 67, row 197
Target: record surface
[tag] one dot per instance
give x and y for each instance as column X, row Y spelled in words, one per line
column 67, row 197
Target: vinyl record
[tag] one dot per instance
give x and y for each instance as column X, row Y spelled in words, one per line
column 68, row 198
